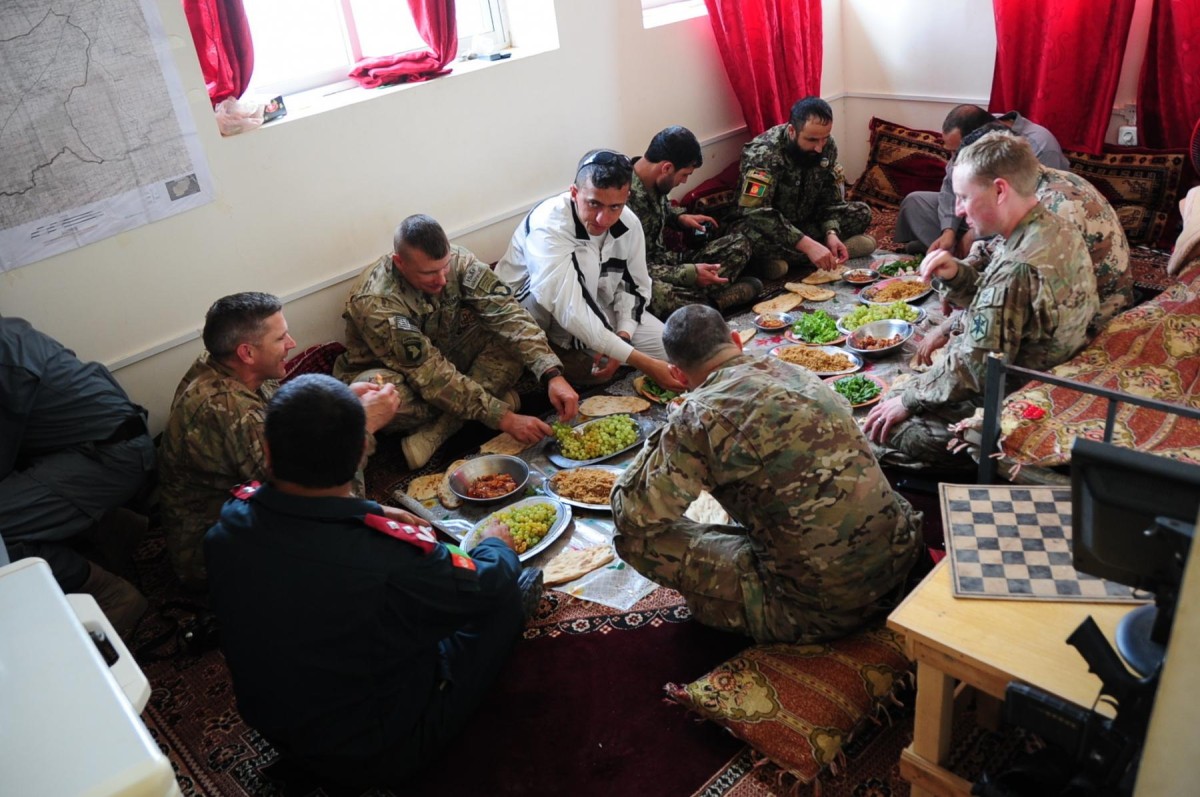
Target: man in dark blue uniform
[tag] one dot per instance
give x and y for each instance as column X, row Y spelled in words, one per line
column 358, row 644
column 73, row 449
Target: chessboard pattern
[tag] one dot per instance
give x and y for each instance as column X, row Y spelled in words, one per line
column 1015, row 543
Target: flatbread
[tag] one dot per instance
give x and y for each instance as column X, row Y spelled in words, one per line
column 780, row 304
column 423, row 488
column 574, row 563
column 597, row 406
column 810, row 293
column 706, row 509
column 504, row 443
column 821, row 276
column 746, row 335
column 444, row 493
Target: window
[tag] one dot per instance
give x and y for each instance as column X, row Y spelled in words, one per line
column 303, row 44
column 664, row 12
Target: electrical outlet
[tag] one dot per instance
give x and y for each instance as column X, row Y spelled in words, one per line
column 1127, row 136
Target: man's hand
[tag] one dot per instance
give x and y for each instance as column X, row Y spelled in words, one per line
column 938, row 337
column 819, row 255
column 882, row 418
column 939, row 263
column 499, row 531
column 945, row 241
column 603, row 367
column 563, row 397
column 696, row 221
column 525, row 428
column 840, row 253
column 660, row 372
column 380, row 403
column 709, row 274
column 400, row 516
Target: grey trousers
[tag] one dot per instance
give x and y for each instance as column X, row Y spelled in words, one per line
column 918, row 218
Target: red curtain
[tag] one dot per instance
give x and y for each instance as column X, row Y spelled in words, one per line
column 1059, row 63
column 438, row 26
column 772, row 53
column 223, row 45
column 1169, row 90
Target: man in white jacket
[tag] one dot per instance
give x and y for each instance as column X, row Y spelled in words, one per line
column 577, row 263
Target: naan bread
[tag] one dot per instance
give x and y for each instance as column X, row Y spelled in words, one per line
column 810, row 293
column 597, row 406
column 504, row 443
column 424, row 488
column 572, row 564
column 705, row 509
column 444, row 493
column 780, row 304
column 746, row 335
column 821, row 276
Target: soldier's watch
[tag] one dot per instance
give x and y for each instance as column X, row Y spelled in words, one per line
column 549, row 374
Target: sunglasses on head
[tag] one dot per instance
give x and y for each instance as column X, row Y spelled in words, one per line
column 606, row 157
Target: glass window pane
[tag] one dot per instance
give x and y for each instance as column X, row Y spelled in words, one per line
column 294, row 38
column 385, row 27
column 473, row 18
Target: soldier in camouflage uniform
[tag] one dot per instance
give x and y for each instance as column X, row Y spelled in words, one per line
column 214, row 435
column 1033, row 304
column 824, row 544
column 790, row 204
column 700, row 276
column 438, row 324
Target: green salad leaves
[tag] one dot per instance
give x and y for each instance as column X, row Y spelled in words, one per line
column 858, row 389
column 816, row 327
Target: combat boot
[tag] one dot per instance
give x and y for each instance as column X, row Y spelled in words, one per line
column 120, row 601
column 744, row 291
column 860, row 245
column 419, row 446
column 770, row 269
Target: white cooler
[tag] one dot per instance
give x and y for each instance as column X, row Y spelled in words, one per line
column 69, row 723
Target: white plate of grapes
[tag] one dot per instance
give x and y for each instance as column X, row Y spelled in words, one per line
column 534, row 523
column 866, row 313
column 596, row 441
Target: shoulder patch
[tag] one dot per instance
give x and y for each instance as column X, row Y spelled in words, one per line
column 474, row 275
column 755, row 184
column 243, row 492
column 400, row 322
column 419, row 536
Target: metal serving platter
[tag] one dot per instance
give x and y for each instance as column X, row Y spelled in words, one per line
column 921, row 316
column 606, row 507
column 866, row 294
column 561, row 521
column 645, row 427
column 855, row 360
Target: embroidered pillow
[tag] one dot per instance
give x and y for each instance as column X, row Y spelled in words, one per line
column 901, row 160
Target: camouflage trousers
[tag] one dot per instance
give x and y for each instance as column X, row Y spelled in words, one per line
column 920, row 441
column 766, row 238
column 718, row 575
column 731, row 251
column 489, row 362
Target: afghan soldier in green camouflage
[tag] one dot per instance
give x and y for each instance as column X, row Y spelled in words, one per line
column 214, row 436
column 707, row 275
column 790, row 204
column 823, row 544
column 440, row 326
column 1033, row 304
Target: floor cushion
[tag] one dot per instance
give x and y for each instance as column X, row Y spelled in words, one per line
column 901, row 160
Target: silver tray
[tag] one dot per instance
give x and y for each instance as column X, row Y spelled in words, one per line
column 855, row 360
column 862, row 295
column 645, row 427
column 471, row 538
column 548, row 484
column 921, row 316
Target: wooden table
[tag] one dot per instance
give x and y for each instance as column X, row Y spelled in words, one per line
column 984, row 644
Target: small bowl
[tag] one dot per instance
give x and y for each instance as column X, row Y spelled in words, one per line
column 860, row 276
column 782, row 321
column 490, row 465
column 880, row 329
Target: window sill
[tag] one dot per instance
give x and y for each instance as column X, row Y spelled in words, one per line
column 673, row 12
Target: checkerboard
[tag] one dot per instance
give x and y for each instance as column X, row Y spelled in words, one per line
column 1015, row 543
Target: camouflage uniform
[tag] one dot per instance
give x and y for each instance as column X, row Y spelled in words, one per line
column 674, row 280
column 781, row 201
column 213, row 441
column 1033, row 305
column 1074, row 199
column 824, row 544
column 451, row 353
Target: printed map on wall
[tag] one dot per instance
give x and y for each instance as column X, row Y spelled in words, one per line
column 95, row 134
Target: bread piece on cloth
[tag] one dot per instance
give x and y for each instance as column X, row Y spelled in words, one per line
column 504, row 443
column 706, row 509
column 444, row 493
column 821, row 276
column 575, row 563
column 597, row 406
column 810, row 293
column 746, row 335
column 780, row 304
column 423, row 488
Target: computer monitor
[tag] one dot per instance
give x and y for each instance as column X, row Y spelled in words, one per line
column 1133, row 518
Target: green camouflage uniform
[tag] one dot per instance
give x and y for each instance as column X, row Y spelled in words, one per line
column 824, row 544
column 1073, row 198
column 451, row 353
column 674, row 280
column 780, row 201
column 213, row 442
column 1033, row 305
